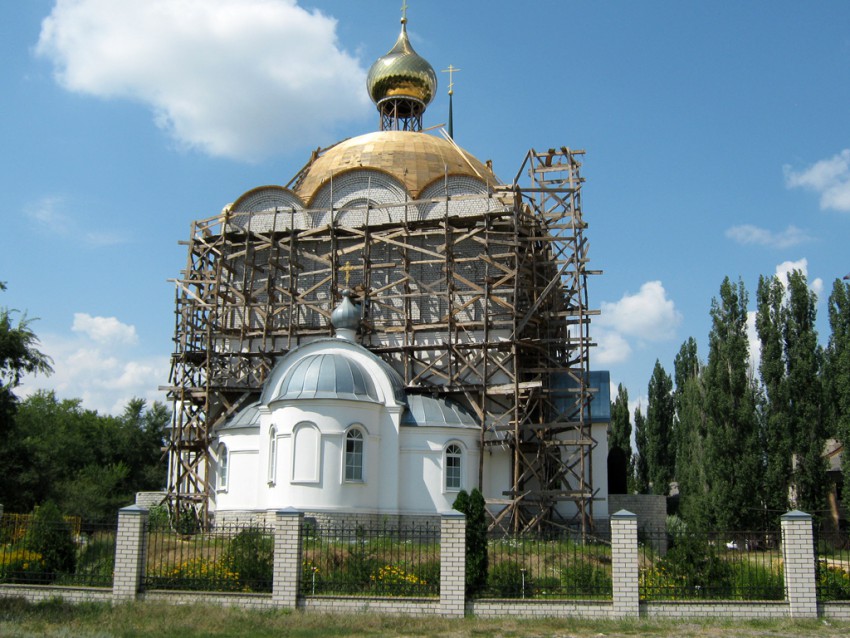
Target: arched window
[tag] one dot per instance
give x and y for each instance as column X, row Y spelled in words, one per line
column 354, row 455
column 223, row 459
column 453, row 467
column 272, row 456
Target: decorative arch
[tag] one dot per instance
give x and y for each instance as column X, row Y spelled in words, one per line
column 306, row 453
column 267, row 208
column 453, row 186
column 351, row 190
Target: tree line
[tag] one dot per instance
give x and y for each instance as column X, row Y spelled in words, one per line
column 742, row 445
column 56, row 451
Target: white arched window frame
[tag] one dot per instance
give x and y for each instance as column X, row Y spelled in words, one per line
column 272, row 467
column 306, row 453
column 453, row 467
column 223, row 464
column 354, row 454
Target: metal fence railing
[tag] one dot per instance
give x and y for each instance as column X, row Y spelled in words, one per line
column 231, row 558
column 562, row 565
column 728, row 566
column 833, row 565
column 395, row 560
column 56, row 551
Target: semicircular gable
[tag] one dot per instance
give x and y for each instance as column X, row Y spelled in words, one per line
column 455, row 186
column 357, row 191
column 268, row 208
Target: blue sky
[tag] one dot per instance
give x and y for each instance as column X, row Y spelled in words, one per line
column 717, row 138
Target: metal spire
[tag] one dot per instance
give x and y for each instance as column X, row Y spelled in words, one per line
column 451, row 70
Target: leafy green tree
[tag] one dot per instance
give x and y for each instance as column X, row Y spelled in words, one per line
column 19, row 355
column 473, row 506
column 641, row 468
column 770, row 320
column 691, row 452
column 89, row 464
column 689, row 431
column 619, row 442
column 659, row 452
column 805, row 395
column 732, row 455
column 838, row 373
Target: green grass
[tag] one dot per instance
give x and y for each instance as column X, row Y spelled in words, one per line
column 55, row 618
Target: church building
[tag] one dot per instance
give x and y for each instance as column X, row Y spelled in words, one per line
column 391, row 326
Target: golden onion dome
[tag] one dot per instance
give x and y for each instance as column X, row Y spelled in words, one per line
column 402, row 73
column 414, row 159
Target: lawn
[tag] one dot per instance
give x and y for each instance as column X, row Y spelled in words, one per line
column 19, row 619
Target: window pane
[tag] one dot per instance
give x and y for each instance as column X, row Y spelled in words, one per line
column 354, row 456
column 453, row 467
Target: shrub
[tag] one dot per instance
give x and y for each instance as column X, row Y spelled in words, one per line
column 833, row 582
column 696, row 568
column 584, row 578
column 250, row 555
column 392, row 579
column 508, row 580
column 473, row 506
column 198, row 574
column 50, row 536
column 21, row 566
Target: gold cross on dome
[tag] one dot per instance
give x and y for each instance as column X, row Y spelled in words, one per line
column 347, row 270
column 451, row 71
column 404, row 8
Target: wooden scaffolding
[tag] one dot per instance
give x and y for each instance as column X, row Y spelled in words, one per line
column 489, row 309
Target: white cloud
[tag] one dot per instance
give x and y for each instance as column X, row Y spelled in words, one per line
column 99, row 363
column 748, row 234
column 50, row 214
column 830, row 178
column 647, row 315
column 234, row 78
column 104, row 330
column 782, row 270
column 611, row 348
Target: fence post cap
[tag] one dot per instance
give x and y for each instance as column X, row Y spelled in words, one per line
column 288, row 511
column 452, row 514
column 623, row 514
column 136, row 510
column 796, row 515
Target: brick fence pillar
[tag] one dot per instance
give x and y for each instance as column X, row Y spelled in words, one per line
column 453, row 564
column 798, row 553
column 130, row 551
column 624, row 561
column 287, row 557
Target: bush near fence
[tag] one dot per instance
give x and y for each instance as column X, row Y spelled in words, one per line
column 699, row 566
column 833, row 568
column 370, row 561
column 563, row 565
column 48, row 548
column 231, row 558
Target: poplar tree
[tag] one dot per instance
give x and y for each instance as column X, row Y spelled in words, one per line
column 641, row 470
column 776, row 435
column 838, row 374
column 620, row 440
column 732, row 454
column 659, row 431
column 803, row 359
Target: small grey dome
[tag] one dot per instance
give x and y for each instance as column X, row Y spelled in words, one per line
column 346, row 316
column 425, row 410
column 326, row 376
